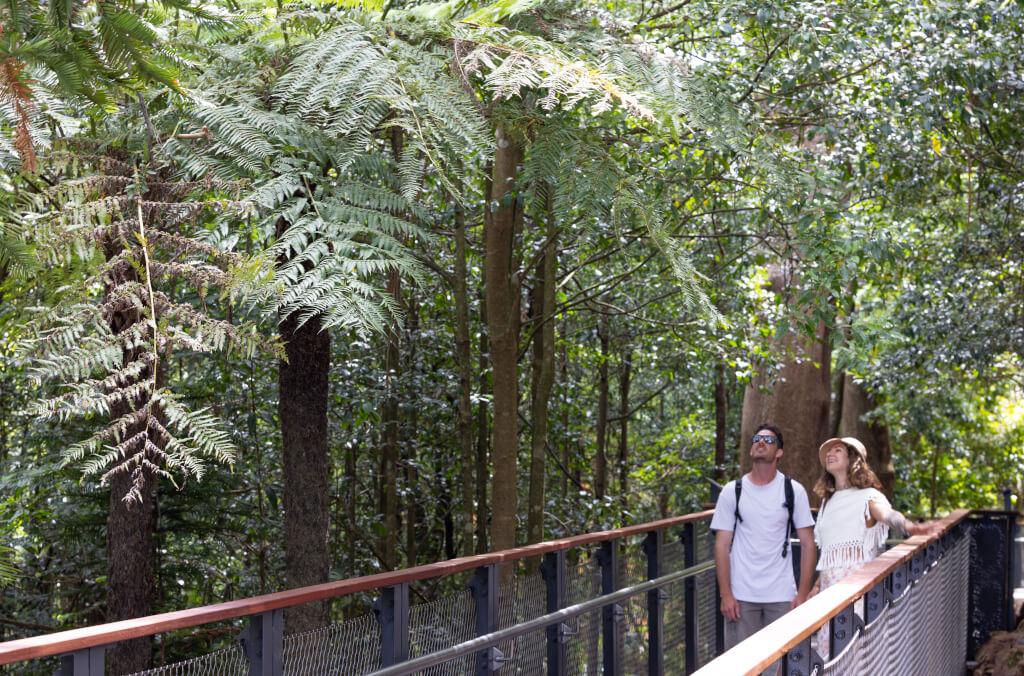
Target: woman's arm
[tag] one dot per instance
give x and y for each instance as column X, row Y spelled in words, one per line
column 882, row 513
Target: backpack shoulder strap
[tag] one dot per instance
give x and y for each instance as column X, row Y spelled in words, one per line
column 790, row 504
column 736, row 509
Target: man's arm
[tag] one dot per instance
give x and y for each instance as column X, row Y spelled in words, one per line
column 730, row 606
column 808, row 560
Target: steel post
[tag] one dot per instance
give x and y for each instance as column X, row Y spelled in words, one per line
column 392, row 609
column 692, row 631
column 876, row 600
column 843, row 627
column 801, row 660
column 653, row 544
column 263, row 643
column 611, row 615
column 553, row 571
column 87, row 662
column 485, row 596
column 899, row 579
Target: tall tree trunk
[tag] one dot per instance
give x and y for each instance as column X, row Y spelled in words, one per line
column 483, row 436
column 131, row 528
column 797, row 401
column 835, row 411
column 501, row 285
column 563, row 370
column 543, row 306
column 302, row 408
column 131, row 568
column 625, row 374
column 857, row 405
column 601, row 458
column 721, row 413
column 389, row 456
column 352, row 499
column 464, row 422
column 414, row 512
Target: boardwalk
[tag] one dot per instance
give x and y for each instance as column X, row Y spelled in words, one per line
column 636, row 600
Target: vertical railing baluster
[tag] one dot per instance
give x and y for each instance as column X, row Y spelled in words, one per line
column 917, row 566
column 263, row 643
column 899, row 580
column 689, row 539
column 608, row 559
column 842, row 628
column 85, row 662
column 553, row 571
column 655, row 615
column 393, row 613
column 801, row 660
column 486, row 598
column 876, row 600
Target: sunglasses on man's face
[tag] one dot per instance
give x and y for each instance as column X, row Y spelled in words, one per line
column 766, row 438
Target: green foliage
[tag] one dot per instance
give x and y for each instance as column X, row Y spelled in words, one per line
column 109, row 350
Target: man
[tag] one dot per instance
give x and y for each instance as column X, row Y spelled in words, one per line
column 755, row 573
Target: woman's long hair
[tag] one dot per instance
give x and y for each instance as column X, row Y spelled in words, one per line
column 859, row 473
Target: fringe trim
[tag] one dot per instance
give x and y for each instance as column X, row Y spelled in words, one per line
column 852, row 553
column 842, row 555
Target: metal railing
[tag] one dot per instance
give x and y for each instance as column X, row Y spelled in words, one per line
column 616, row 601
column 923, row 607
column 641, row 599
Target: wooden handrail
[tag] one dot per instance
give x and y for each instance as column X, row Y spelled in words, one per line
column 62, row 642
column 761, row 650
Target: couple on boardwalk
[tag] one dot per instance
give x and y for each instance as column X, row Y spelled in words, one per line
column 756, row 515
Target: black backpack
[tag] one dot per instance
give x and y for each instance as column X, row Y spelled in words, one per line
column 790, row 528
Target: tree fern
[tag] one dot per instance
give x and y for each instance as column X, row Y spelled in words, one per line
column 108, row 352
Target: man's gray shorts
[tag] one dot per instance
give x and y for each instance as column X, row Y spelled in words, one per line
column 753, row 618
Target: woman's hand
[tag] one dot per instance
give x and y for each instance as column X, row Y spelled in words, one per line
column 924, row 528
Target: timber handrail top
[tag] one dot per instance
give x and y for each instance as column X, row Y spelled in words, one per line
column 58, row 643
column 762, row 649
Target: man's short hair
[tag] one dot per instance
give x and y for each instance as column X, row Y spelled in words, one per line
column 775, row 430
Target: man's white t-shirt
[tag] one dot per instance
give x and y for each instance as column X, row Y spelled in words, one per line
column 757, row 571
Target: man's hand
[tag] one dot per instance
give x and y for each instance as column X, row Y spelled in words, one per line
column 797, row 600
column 730, row 608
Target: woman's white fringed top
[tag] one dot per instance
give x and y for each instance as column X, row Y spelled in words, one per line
column 842, row 533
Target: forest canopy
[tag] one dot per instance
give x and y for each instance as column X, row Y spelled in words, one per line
column 303, row 290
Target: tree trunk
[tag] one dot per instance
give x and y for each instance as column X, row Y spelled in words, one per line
column 464, row 421
column 563, row 370
column 131, row 566
column 721, row 413
column 797, row 401
column 482, row 448
column 624, row 382
column 543, row 378
column 601, row 458
column 835, row 411
column 857, row 404
column 352, row 488
column 502, row 288
column 389, row 456
column 414, row 512
column 302, row 407
column 131, row 528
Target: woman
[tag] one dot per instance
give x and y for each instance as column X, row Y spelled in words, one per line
column 854, row 518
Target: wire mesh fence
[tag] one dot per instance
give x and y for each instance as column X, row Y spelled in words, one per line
column 922, row 632
column 351, row 647
column 583, row 649
column 354, row 646
column 442, row 623
column 227, row 662
column 523, row 598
